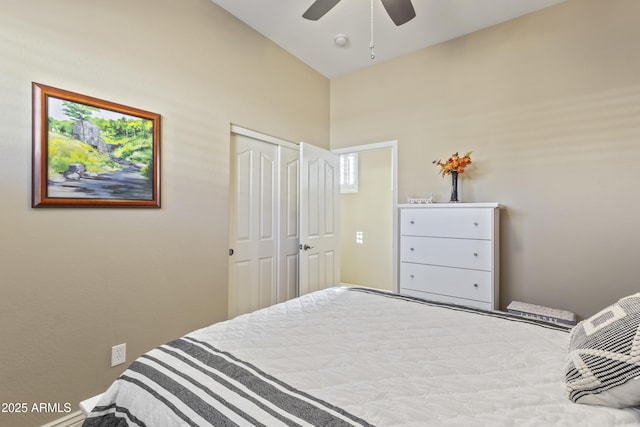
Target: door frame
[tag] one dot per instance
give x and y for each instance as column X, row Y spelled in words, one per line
column 393, row 145
column 262, row 137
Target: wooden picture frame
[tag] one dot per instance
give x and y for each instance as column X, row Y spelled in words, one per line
column 88, row 152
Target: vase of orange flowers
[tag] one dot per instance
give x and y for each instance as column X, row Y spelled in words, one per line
column 454, row 187
column 453, row 166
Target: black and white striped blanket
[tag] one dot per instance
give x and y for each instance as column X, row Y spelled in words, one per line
column 191, row 382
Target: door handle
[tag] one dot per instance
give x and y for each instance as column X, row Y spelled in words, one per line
column 306, row 247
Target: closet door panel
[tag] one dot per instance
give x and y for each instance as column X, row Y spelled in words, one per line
column 288, row 251
column 253, row 232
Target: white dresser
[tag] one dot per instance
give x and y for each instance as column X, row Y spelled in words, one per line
column 450, row 252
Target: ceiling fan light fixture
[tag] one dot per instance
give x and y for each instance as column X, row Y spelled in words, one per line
column 341, row 40
column 400, row 11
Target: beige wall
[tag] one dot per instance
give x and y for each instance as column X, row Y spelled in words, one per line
column 369, row 211
column 548, row 104
column 74, row 282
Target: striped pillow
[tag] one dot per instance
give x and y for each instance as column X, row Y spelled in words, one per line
column 603, row 364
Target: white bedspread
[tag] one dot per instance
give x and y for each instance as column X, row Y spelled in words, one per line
column 398, row 363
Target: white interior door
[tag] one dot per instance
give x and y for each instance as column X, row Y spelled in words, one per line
column 319, row 219
column 253, row 225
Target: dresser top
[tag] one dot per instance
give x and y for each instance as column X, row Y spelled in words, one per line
column 450, row 205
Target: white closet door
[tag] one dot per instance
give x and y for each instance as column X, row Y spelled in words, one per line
column 319, row 219
column 253, row 225
column 289, row 231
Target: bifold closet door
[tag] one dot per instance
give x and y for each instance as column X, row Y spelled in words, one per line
column 284, row 222
column 288, row 252
column 253, row 225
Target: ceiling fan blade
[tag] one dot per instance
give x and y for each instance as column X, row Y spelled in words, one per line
column 319, row 8
column 400, row 11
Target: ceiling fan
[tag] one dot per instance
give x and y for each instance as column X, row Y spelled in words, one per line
column 400, row 11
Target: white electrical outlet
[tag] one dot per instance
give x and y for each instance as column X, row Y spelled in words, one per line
column 118, row 354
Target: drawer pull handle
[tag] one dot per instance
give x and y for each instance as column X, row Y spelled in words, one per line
column 411, row 222
column 475, row 254
column 475, row 285
column 411, row 249
column 475, row 223
column 412, row 276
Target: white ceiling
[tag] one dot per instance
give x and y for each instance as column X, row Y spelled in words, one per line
column 313, row 41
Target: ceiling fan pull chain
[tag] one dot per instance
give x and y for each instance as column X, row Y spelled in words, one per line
column 373, row 55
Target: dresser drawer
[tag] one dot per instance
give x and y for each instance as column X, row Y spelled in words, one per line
column 463, row 253
column 445, row 281
column 466, row 223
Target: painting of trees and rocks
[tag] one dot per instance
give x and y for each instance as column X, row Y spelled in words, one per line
column 96, row 153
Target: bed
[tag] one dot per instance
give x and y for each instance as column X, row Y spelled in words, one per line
column 357, row 357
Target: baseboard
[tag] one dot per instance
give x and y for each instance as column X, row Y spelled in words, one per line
column 74, row 419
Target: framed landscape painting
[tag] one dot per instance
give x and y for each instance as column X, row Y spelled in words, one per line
column 88, row 152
